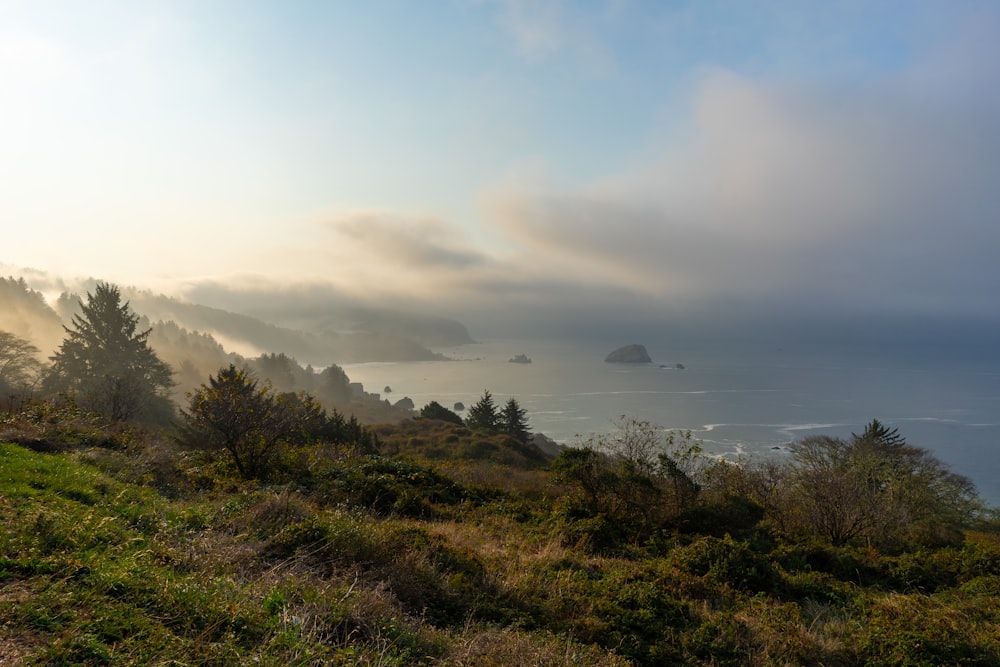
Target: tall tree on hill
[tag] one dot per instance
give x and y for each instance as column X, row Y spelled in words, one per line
column 514, row 420
column 483, row 415
column 878, row 433
column 106, row 363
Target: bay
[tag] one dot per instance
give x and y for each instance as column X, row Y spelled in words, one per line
column 747, row 400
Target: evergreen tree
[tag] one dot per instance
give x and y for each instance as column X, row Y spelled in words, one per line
column 106, row 362
column 877, row 433
column 514, row 421
column 483, row 415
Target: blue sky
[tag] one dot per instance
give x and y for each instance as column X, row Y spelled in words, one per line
column 538, row 158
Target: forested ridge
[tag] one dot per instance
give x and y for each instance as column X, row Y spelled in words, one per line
column 258, row 520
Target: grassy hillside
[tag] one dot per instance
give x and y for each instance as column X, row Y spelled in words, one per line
column 447, row 548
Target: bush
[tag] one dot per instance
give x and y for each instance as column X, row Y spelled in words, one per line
column 725, row 562
column 386, row 486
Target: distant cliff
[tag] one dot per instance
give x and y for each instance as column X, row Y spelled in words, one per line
column 629, row 354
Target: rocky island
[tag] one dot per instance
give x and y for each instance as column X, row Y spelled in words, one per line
column 519, row 359
column 629, row 354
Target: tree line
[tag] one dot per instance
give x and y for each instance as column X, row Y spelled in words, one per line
column 484, row 415
column 629, row 486
column 106, row 366
column 641, row 483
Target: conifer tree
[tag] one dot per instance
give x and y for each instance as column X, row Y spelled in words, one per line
column 483, row 415
column 514, row 421
column 877, row 433
column 106, row 363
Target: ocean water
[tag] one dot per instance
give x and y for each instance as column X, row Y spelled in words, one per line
column 736, row 401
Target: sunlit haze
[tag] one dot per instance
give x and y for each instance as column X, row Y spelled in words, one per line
column 512, row 163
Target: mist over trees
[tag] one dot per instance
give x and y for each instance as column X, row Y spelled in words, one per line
column 252, row 336
column 634, row 539
column 192, row 354
column 24, row 313
column 105, row 362
column 20, row 369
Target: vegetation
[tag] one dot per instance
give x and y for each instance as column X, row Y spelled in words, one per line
column 483, row 414
column 446, row 545
column 512, row 419
column 265, row 527
column 252, row 424
column 435, row 410
column 20, row 368
column 107, row 364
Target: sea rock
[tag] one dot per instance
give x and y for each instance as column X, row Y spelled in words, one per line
column 387, row 390
column 520, row 359
column 458, row 407
column 406, row 403
column 629, row 354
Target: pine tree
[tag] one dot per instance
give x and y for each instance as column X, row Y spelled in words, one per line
column 514, row 421
column 877, row 433
column 483, row 415
column 106, row 362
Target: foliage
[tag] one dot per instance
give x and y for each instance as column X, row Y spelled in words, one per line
column 634, row 478
column 369, row 560
column 106, row 361
column 435, row 410
column 514, row 421
column 876, row 487
column 385, row 486
column 253, row 424
column 877, row 432
column 438, row 442
column 20, row 368
column 483, row 414
column 233, row 414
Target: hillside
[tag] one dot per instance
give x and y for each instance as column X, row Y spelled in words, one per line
column 449, row 548
column 196, row 340
column 337, row 335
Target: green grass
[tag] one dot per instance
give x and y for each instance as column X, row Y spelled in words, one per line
column 432, row 560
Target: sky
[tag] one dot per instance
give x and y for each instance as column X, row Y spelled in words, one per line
column 521, row 165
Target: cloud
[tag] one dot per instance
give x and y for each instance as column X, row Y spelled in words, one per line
column 839, row 197
column 790, row 199
column 877, row 194
column 408, row 241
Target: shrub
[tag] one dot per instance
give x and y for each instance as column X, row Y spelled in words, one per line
column 725, row 562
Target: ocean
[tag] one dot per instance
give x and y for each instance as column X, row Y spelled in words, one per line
column 748, row 401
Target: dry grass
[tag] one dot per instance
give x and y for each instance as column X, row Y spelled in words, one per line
column 502, row 647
